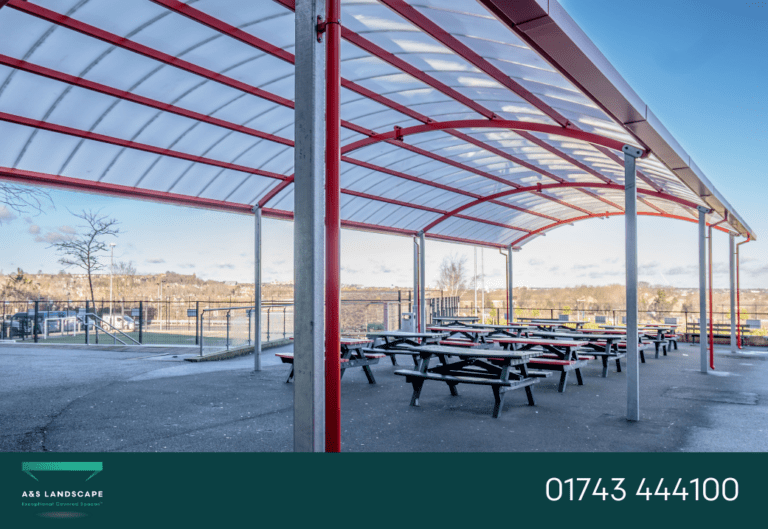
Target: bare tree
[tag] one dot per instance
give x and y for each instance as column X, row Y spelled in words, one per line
column 84, row 250
column 453, row 275
column 22, row 199
column 125, row 273
column 19, row 287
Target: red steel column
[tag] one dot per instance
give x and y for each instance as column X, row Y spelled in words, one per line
column 332, row 230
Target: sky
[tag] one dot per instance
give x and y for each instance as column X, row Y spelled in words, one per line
column 699, row 65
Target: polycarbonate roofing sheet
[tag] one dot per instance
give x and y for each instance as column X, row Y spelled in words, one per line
column 193, row 103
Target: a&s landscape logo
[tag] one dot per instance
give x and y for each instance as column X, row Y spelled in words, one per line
column 61, row 493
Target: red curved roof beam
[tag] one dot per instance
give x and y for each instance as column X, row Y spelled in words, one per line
column 134, row 98
column 62, row 129
column 537, row 188
column 399, row 133
column 597, row 215
column 86, row 29
column 77, row 184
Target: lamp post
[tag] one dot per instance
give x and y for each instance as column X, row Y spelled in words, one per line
column 111, row 273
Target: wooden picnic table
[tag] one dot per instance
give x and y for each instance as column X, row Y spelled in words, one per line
column 604, row 351
column 396, row 342
column 513, row 330
column 352, row 355
column 559, row 355
column 473, row 334
column 491, row 368
column 551, row 324
column 454, row 320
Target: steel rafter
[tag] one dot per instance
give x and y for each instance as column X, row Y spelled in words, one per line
column 122, row 191
column 247, row 38
column 103, row 138
column 596, row 216
column 539, row 187
column 86, row 29
column 449, row 41
column 134, row 98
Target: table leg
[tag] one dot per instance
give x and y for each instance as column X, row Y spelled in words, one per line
column 528, row 389
column 618, row 365
column 578, row 377
column 290, row 375
column 563, row 381
column 368, row 374
column 605, row 366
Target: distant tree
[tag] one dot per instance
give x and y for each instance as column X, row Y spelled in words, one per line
column 19, row 287
column 85, row 249
column 125, row 275
column 452, row 275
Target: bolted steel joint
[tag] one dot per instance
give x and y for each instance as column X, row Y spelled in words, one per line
column 632, row 151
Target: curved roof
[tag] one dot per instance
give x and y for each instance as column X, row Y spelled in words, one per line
column 476, row 122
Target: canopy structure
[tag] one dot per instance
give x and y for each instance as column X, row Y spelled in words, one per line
column 486, row 122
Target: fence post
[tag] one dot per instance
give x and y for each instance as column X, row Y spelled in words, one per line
column 34, row 322
column 228, row 330
column 86, row 318
column 141, row 320
column 197, row 319
column 283, row 322
column 202, row 328
column 248, row 314
column 268, row 308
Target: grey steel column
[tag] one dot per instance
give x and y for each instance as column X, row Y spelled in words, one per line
column 416, row 310
column 732, row 268
column 309, row 233
column 257, row 289
column 422, row 290
column 703, row 287
column 630, row 230
column 510, row 290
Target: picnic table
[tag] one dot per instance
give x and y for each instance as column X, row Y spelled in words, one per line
column 485, row 367
column 454, row 320
column 657, row 333
column 510, row 330
column 397, row 342
column 558, row 355
column 601, row 345
column 472, row 334
column 352, row 355
column 552, row 324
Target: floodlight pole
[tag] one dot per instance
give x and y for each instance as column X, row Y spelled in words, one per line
column 257, row 289
column 332, row 230
column 510, row 284
column 732, row 284
column 703, row 287
column 631, row 154
column 422, row 290
column 309, row 213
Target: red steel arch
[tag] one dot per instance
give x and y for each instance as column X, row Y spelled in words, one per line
column 534, row 233
column 400, row 133
column 541, row 187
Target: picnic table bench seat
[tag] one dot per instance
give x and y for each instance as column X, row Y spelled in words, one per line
column 287, row 358
column 498, row 386
column 562, row 366
column 459, row 343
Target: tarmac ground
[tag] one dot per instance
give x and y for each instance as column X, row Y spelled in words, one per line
column 84, row 399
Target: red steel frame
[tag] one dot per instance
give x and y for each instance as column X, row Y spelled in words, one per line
column 332, row 229
column 334, row 82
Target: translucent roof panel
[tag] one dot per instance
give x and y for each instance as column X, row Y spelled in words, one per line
column 192, row 102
